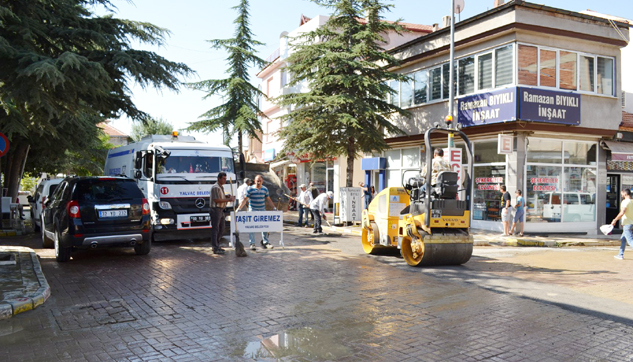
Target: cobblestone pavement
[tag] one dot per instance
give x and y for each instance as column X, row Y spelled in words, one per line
column 318, row 299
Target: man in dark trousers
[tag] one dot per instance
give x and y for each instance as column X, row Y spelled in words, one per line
column 506, row 211
column 218, row 201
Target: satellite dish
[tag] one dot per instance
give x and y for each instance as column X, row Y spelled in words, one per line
column 459, row 6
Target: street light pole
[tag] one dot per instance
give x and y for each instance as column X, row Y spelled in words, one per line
column 451, row 81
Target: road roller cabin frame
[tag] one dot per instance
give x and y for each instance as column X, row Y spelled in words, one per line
column 433, row 226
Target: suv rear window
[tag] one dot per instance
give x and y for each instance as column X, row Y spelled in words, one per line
column 106, row 190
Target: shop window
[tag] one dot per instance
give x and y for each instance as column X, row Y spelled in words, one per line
column 486, row 152
column 484, row 71
column 406, row 94
column 547, row 72
column 579, row 203
column 605, row 76
column 528, row 65
column 319, row 176
column 420, row 86
column 466, row 68
column 436, row 83
column 568, row 70
column 586, row 73
column 503, row 66
column 580, row 153
column 393, row 158
column 411, row 158
column 543, row 198
column 486, row 192
column 544, row 151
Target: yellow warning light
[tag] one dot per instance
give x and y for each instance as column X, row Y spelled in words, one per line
column 448, row 119
column 174, row 134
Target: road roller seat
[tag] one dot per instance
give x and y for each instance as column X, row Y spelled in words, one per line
column 446, row 186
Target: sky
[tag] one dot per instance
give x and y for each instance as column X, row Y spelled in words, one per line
column 192, row 22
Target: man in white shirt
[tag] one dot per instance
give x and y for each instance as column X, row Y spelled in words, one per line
column 318, row 206
column 241, row 191
column 304, row 200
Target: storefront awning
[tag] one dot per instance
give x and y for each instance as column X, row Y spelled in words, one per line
column 279, row 164
column 620, row 151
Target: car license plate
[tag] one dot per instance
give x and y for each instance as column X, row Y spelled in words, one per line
column 112, row 213
column 200, row 218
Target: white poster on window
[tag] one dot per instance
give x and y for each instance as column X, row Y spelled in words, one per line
column 351, row 206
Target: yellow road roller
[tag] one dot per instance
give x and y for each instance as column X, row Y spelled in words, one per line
column 429, row 227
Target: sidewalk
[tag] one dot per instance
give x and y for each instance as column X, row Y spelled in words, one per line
column 492, row 238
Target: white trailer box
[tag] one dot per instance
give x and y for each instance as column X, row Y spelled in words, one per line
column 176, row 174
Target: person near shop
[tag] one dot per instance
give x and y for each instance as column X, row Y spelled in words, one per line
column 366, row 193
column 258, row 197
column 218, row 202
column 626, row 214
column 241, row 191
column 519, row 211
column 372, row 190
column 506, row 211
column 304, row 200
column 318, row 207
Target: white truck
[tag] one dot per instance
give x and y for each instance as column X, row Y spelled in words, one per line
column 176, row 174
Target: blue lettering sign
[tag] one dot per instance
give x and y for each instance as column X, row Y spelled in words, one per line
column 486, row 108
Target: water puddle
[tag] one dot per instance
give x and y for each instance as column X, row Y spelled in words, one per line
column 305, row 342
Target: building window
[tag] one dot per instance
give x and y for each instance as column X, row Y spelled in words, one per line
column 283, row 79
column 605, row 76
column 420, row 86
column 503, row 66
column 436, row 83
column 400, row 161
column 268, row 86
column 486, row 152
column 484, row 71
column 528, row 65
column 547, row 72
column 466, row 70
column 586, row 73
column 406, row 94
column 395, row 96
column 568, row 70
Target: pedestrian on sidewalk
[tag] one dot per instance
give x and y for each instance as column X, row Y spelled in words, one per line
column 519, row 212
column 366, row 193
column 506, row 211
column 626, row 214
column 241, row 191
column 218, row 201
column 304, row 200
column 318, row 206
column 257, row 197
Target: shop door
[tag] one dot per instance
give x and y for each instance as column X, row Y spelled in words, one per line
column 613, row 197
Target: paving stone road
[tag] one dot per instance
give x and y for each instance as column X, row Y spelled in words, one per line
column 319, row 299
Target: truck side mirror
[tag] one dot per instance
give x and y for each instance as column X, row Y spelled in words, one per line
column 138, row 161
column 137, row 174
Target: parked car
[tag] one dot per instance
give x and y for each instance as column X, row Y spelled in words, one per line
column 91, row 212
column 42, row 193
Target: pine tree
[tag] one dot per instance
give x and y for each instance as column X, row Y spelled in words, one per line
column 151, row 126
column 238, row 114
column 345, row 111
column 63, row 70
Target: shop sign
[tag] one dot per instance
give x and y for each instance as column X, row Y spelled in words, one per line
column 4, row 144
column 486, row 108
column 549, row 106
column 488, row 183
column 269, row 154
column 454, row 158
column 505, row 144
column 351, row 207
column 548, row 181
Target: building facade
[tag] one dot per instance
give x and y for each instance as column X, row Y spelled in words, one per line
column 546, row 82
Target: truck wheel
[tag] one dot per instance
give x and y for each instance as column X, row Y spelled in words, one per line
column 144, row 248
column 62, row 254
column 46, row 242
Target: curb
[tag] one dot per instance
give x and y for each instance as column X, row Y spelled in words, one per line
column 11, row 307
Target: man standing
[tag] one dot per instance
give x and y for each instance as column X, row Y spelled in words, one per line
column 241, row 191
column 304, row 200
column 318, row 206
column 257, row 197
column 519, row 209
column 506, row 211
column 218, row 201
column 366, row 193
column 315, row 193
column 626, row 214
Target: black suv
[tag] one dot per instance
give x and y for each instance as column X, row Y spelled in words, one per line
column 90, row 212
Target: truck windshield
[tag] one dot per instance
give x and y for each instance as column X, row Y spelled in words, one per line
column 200, row 162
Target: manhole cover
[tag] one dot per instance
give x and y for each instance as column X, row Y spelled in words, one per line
column 94, row 314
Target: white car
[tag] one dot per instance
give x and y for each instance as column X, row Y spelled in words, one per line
column 44, row 190
column 575, row 207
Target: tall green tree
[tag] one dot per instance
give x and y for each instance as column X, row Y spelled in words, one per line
column 345, row 111
column 238, row 114
column 64, row 69
column 151, row 126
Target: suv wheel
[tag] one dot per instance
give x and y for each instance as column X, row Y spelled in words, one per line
column 46, row 242
column 144, row 248
column 61, row 254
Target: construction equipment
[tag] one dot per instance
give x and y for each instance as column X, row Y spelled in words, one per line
column 429, row 227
